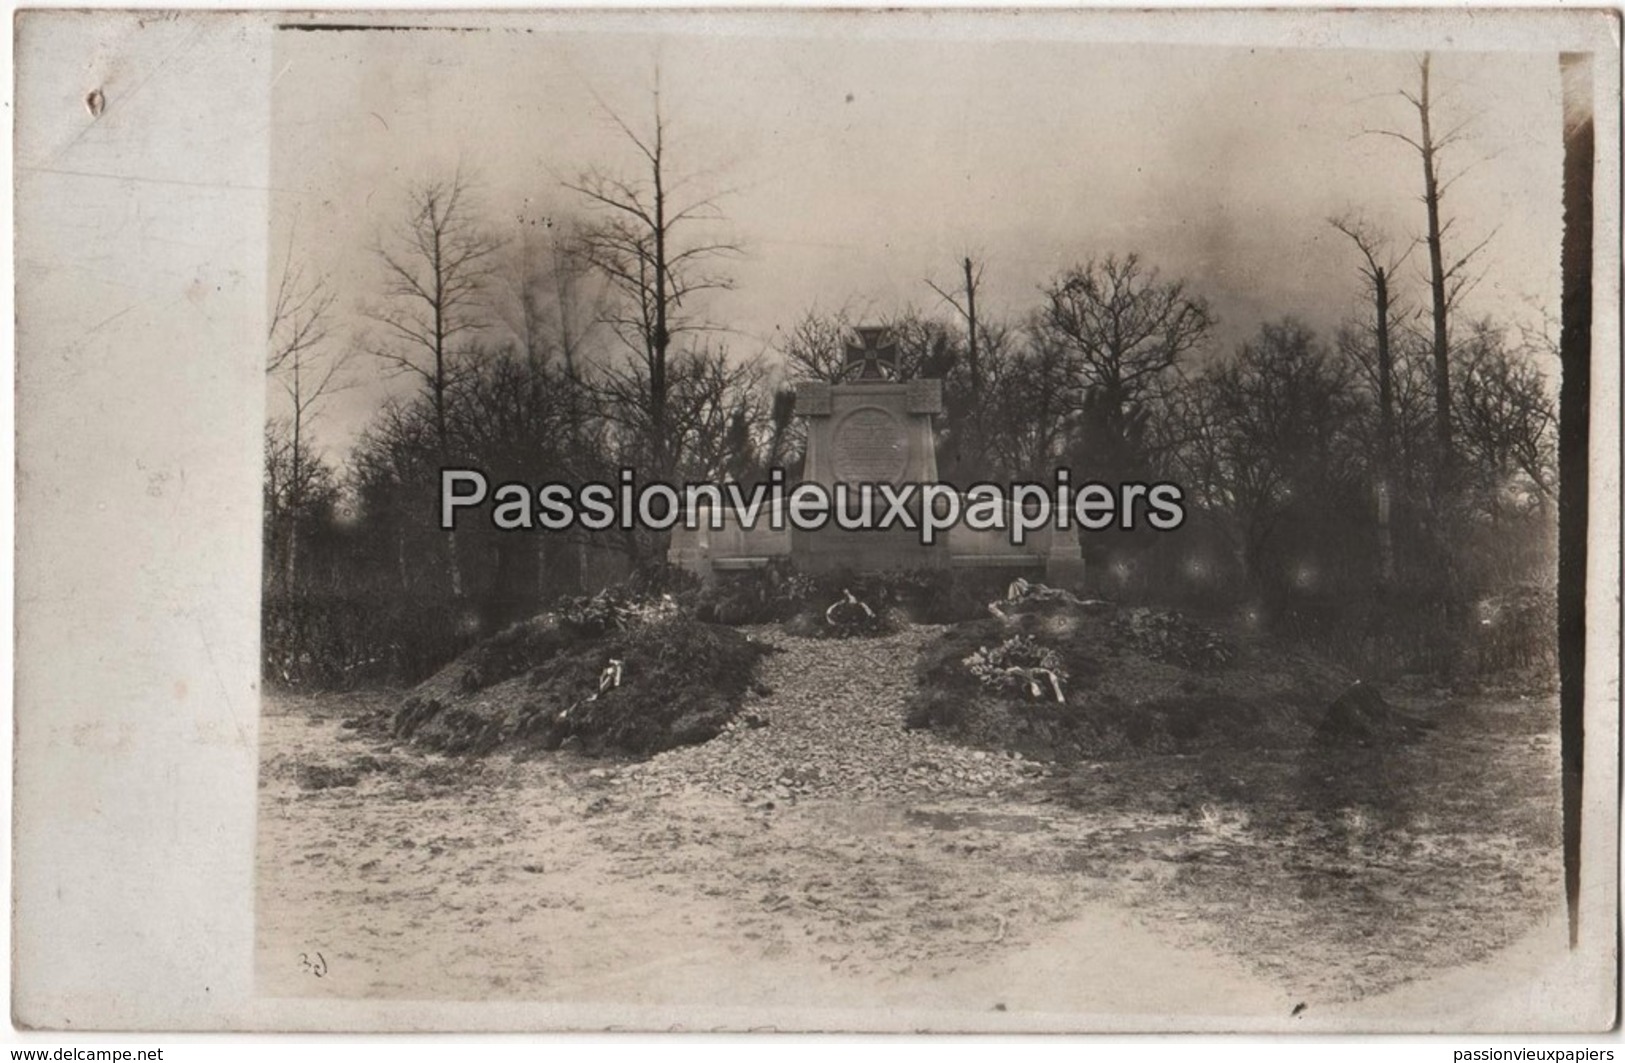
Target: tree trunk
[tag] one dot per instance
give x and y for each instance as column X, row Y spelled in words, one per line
column 970, row 325
column 661, row 339
column 1385, row 428
column 273, row 524
column 294, row 484
column 1436, row 281
column 454, row 566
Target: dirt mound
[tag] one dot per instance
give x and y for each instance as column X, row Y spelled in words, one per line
column 1088, row 680
column 600, row 683
column 1361, row 714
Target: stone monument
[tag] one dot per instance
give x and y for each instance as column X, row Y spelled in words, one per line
column 875, row 428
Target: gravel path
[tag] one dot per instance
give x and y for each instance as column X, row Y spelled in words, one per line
column 831, row 724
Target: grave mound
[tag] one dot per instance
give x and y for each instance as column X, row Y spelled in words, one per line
column 600, row 677
column 1062, row 679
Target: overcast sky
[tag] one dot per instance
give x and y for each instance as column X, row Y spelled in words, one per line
column 859, row 156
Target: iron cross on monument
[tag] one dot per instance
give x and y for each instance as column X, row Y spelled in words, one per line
column 875, row 353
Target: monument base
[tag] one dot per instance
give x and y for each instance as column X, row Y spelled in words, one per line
column 865, row 550
column 878, row 432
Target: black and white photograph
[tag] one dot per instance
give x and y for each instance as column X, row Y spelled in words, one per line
column 910, row 521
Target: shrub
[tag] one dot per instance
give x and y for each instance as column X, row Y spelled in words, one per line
column 658, row 579
column 755, row 596
column 1168, row 636
column 1515, row 631
column 336, row 642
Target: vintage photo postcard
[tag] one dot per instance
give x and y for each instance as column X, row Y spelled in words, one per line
column 927, row 520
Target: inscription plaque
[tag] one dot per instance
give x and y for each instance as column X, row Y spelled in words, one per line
column 870, row 446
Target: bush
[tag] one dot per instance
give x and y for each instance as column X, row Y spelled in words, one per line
column 335, row 642
column 1515, row 631
column 1168, row 636
column 657, row 579
column 756, row 596
column 1507, row 638
column 320, row 639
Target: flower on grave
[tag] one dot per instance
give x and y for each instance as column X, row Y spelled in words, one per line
column 1020, row 664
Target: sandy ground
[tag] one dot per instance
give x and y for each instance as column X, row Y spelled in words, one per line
column 386, row 872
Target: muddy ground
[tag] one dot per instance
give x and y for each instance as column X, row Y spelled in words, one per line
column 1288, row 884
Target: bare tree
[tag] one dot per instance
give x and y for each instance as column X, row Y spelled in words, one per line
column 709, row 392
column 926, row 346
column 1278, row 412
column 578, row 307
column 1028, row 415
column 719, row 417
column 435, row 274
column 640, row 245
column 966, row 399
column 1122, row 326
column 815, row 346
column 392, row 476
column 1412, row 443
column 1378, row 265
column 1507, row 420
column 1193, row 442
column 300, row 326
column 550, row 303
column 964, row 302
column 1448, row 279
column 300, row 311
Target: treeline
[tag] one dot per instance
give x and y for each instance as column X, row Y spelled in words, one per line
column 1363, row 488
